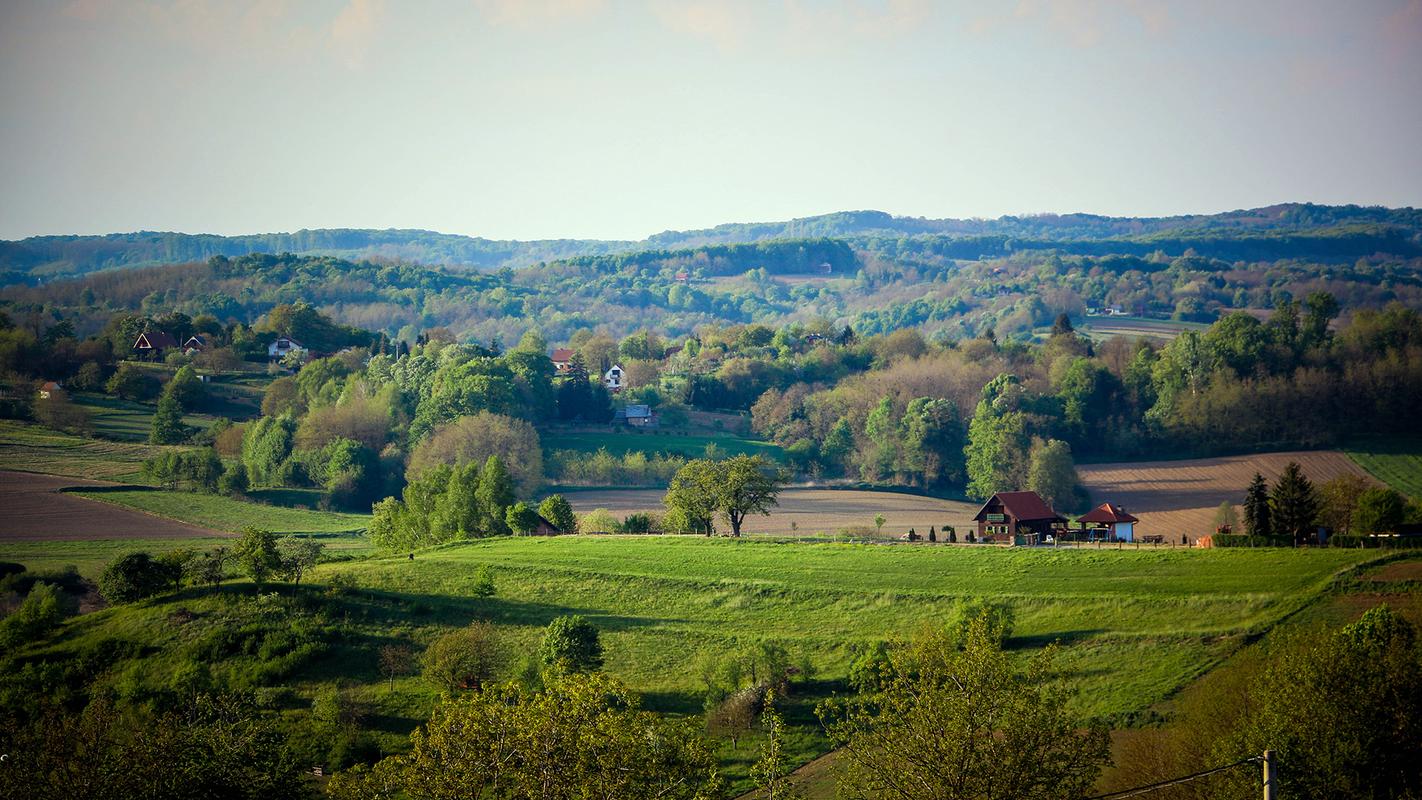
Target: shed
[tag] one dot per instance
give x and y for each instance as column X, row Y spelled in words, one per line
column 1017, row 517
column 50, row 389
column 545, row 528
column 639, row 415
column 1110, row 521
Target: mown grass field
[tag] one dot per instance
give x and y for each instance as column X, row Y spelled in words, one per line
column 1101, row 328
column 691, row 445
column 32, row 448
column 125, row 420
column 1398, row 463
column 228, row 514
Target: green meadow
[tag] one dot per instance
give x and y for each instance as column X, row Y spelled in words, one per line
column 1396, row 462
column 228, row 514
column 32, row 448
column 691, row 445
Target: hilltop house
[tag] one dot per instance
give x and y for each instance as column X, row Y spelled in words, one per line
column 613, row 379
column 153, row 343
column 1109, row 522
column 562, row 359
column 1018, row 518
column 282, row 346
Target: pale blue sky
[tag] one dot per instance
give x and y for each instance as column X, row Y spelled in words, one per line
column 607, row 119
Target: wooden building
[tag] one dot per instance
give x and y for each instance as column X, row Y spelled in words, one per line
column 153, row 343
column 1108, row 522
column 1017, row 518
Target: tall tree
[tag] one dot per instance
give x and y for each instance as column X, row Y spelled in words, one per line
column 1052, row 474
column 879, row 435
column 931, row 442
column 495, row 495
column 998, row 440
column 1293, row 505
column 1256, row 508
column 168, row 427
column 747, row 485
column 691, row 498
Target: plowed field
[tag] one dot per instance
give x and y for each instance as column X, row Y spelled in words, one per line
column 33, row 509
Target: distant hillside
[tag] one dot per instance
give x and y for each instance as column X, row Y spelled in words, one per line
column 1273, row 232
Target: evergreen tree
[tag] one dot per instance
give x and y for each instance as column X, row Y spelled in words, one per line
column 1256, row 508
column 495, row 494
column 1293, row 505
column 168, row 427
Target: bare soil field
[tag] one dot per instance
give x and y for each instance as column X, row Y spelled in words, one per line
column 1180, row 497
column 811, row 511
column 33, row 509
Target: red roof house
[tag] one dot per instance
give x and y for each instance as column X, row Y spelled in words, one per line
column 1016, row 517
column 1111, row 521
column 154, row 343
column 562, row 358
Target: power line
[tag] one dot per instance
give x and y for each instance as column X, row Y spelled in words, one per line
column 1139, row 790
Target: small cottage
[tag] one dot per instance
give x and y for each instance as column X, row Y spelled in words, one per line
column 1017, row 518
column 282, row 346
column 1108, row 522
column 50, row 389
column 562, row 359
column 637, row 415
column 153, row 343
column 545, row 528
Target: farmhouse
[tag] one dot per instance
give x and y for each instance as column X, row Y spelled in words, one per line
column 562, row 359
column 612, row 379
column 153, row 343
column 1110, row 522
column 194, row 344
column 636, row 415
column 50, row 389
column 1017, row 517
column 282, row 345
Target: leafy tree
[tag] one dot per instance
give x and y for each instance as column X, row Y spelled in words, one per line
column 495, row 494
column 41, row 611
column 266, row 448
column 964, row 722
column 1052, row 474
column 132, row 577
column 692, row 497
column 931, row 442
column 209, row 568
column 1342, row 711
column 571, row 644
column 837, row 446
column 879, row 431
column 396, row 660
column 584, row 736
column 351, row 473
column 1338, row 501
column 476, row 438
column 168, row 427
column 1380, row 510
column 1226, row 520
column 771, row 773
column 256, row 553
column 1257, row 515
column 187, row 388
column 998, row 439
column 747, row 485
column 556, row 509
column 1293, row 505
column 133, row 383
column 296, row 555
column 521, row 519
column 464, row 659
column 233, row 481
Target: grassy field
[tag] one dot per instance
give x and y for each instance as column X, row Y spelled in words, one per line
column 1100, row 328
column 1135, row 625
column 227, row 514
column 1397, row 463
column 125, row 420
column 624, row 441
column 31, row 448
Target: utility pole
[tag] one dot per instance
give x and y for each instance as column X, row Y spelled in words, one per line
column 1269, row 778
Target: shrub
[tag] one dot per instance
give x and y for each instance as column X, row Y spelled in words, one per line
column 1245, row 540
column 43, row 609
column 463, row 659
column 133, row 577
column 598, row 521
column 571, row 644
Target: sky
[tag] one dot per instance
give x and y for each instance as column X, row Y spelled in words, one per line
column 617, row 119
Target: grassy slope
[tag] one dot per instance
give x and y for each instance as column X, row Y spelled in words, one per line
column 1398, row 463
column 227, row 514
column 31, row 448
column 1137, row 624
column 691, row 445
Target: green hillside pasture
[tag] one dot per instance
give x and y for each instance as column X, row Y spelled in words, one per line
column 1137, row 624
column 1398, row 463
column 126, row 420
column 31, row 448
column 625, row 441
column 90, row 556
column 229, row 514
column 1101, row 328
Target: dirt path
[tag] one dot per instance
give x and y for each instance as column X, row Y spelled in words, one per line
column 33, row 509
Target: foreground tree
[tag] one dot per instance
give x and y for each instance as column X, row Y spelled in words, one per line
column 571, row 645
column 734, row 488
column 133, row 577
column 1380, row 510
column 1052, row 474
column 964, row 723
column 257, row 555
column 168, row 427
column 583, row 737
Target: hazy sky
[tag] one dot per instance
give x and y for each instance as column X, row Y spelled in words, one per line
column 600, row 118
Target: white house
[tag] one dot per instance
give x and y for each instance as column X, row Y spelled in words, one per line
column 613, row 379
column 282, row 345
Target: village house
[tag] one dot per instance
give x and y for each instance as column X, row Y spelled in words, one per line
column 613, row 379
column 282, row 346
column 194, row 344
column 636, row 415
column 562, row 359
column 50, row 389
column 1017, row 518
column 1108, row 522
column 153, row 343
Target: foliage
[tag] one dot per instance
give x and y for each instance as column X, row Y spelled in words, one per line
column 464, row 659
column 1293, row 505
column 133, row 577
column 296, row 555
column 475, row 438
column 733, row 488
column 557, row 510
column 257, row 554
column 571, row 644
column 132, row 382
column 1051, row 473
column 1379, row 510
column 964, row 723
column 521, row 519
column 583, row 736
column 168, row 427
column 200, row 470
column 1257, row 514
column 41, row 611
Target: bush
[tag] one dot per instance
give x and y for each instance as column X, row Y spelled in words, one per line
column 1376, row 542
column 598, row 521
column 43, row 609
column 463, row 659
column 1245, row 540
column 133, row 577
column 571, row 644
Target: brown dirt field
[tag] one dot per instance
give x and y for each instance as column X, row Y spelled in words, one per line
column 1175, row 497
column 813, row 511
column 1398, row 571
column 35, row 510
